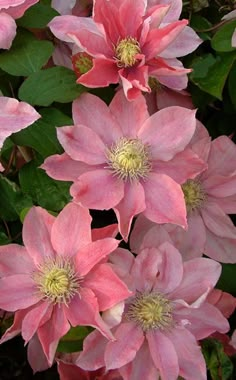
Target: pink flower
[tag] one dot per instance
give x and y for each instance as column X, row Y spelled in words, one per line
column 128, row 44
column 120, row 158
column 14, row 116
column 9, row 11
column 75, row 7
column 209, row 197
column 57, row 279
column 162, row 321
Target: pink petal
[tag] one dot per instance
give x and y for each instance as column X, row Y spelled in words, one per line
column 132, row 204
column 92, row 356
column 158, row 39
column 15, row 260
column 134, row 81
column 62, row 167
column 18, row 8
column 205, row 320
column 129, row 115
column 89, row 255
column 15, row 328
column 15, row 116
column 71, row 230
column 220, row 186
column 105, row 197
column 34, row 318
column 187, row 160
column 154, row 236
column 52, row 331
column 101, row 280
column 89, row 108
column 168, row 131
column 82, row 144
column 227, row 204
column 155, row 14
column 221, row 159
column 7, row 30
column 163, row 354
column 17, row 292
column 175, row 9
column 200, row 275
column 83, row 310
column 36, row 356
column 166, row 97
column 170, row 269
column 164, row 200
column 131, row 14
column 129, row 339
column 191, row 361
column 36, row 234
column 186, row 42
column 220, row 249
column 104, row 232
column 103, row 73
column 191, row 243
column 217, row 221
column 69, row 371
column 136, row 370
column 141, row 226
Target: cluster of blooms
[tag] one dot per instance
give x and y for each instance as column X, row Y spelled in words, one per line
column 150, row 160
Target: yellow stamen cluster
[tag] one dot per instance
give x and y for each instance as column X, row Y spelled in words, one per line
column 151, row 311
column 129, row 159
column 126, row 52
column 57, row 281
column 194, row 194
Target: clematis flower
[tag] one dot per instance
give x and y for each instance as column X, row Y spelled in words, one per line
column 158, row 331
column 75, row 7
column 119, row 157
column 14, row 116
column 209, row 197
column 57, row 279
column 128, row 43
column 10, row 10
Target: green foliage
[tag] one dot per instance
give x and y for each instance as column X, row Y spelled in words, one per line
column 218, row 363
column 57, row 84
column 222, row 39
column 26, row 56
column 37, row 16
column 73, row 340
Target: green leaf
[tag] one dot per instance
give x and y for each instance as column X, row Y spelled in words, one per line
column 8, row 84
column 210, row 72
column 57, row 84
column 38, row 16
column 218, row 363
column 46, row 192
column 73, row 340
column 199, row 23
column 12, row 200
column 222, row 39
column 27, row 55
column 4, row 239
column 41, row 135
column 232, row 85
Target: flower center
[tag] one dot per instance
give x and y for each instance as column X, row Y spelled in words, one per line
column 151, row 311
column 194, row 194
column 82, row 63
column 57, row 281
column 129, row 158
column 126, row 52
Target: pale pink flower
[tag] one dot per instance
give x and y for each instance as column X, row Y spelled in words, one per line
column 74, row 7
column 9, row 11
column 158, row 331
column 128, row 43
column 209, row 197
column 14, row 116
column 57, row 279
column 119, row 157
column 233, row 340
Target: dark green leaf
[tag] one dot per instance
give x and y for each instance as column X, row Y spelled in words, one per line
column 210, row 72
column 46, row 192
column 218, row 363
column 57, row 84
column 222, row 39
column 73, row 340
column 27, row 55
column 227, row 281
column 41, row 136
column 12, row 200
column 37, row 16
column 232, row 85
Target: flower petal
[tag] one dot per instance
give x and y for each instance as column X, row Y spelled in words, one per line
column 71, row 230
column 38, row 315
column 217, row 221
column 164, row 200
column 168, row 131
column 7, row 30
column 14, row 259
column 92, row 356
column 103, row 73
column 109, row 190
